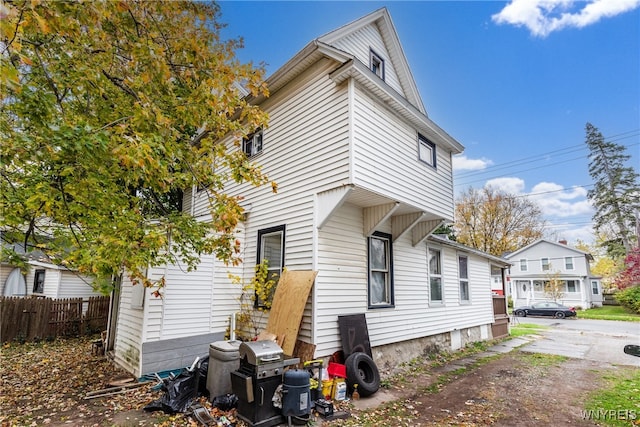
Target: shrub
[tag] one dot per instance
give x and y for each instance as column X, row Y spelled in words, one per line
column 630, row 298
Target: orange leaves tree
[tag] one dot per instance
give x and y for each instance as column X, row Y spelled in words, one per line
column 110, row 111
column 496, row 222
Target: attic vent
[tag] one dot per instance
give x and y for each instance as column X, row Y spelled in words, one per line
column 376, row 64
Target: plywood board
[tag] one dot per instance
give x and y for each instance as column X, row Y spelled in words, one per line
column 304, row 351
column 288, row 304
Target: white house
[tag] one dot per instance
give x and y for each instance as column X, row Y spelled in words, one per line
column 44, row 279
column 364, row 177
column 542, row 261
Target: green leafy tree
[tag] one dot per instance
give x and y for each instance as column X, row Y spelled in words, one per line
column 110, row 109
column 616, row 192
column 496, row 222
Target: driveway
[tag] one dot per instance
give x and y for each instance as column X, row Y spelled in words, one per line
column 597, row 340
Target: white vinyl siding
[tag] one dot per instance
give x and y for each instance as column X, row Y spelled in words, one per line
column 386, row 160
column 568, row 263
column 361, row 43
column 341, row 287
column 130, row 331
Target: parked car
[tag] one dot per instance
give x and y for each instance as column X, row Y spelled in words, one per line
column 546, row 308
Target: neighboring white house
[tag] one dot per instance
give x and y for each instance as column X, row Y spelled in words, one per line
column 542, row 261
column 364, row 177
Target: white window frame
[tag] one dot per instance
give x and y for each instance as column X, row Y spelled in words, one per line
column 426, row 151
column 576, row 286
column 252, row 144
column 568, row 263
column 545, row 264
column 524, row 265
column 463, row 279
column 376, row 64
column 595, row 288
column 387, row 271
column 437, row 276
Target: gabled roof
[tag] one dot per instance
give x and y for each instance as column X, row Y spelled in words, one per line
column 383, row 21
column 408, row 105
column 539, row 241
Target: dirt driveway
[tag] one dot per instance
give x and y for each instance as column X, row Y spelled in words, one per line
column 516, row 389
column 46, row 384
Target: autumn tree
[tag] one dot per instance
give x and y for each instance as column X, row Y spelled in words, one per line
column 496, row 222
column 110, row 109
column 553, row 286
column 616, row 191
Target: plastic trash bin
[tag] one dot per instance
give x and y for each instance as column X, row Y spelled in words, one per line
column 224, row 358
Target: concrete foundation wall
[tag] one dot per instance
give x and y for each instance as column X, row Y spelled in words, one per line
column 388, row 358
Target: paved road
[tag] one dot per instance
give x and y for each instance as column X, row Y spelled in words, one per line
column 599, row 340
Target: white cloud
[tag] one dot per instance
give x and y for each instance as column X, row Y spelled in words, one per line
column 542, row 17
column 511, row 185
column 556, row 201
column 566, row 210
column 461, row 163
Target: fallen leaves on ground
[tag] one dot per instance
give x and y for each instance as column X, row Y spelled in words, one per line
column 46, row 384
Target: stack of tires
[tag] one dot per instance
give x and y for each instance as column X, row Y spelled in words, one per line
column 362, row 370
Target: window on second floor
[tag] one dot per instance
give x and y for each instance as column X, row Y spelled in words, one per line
column 523, row 264
column 376, row 64
column 426, row 151
column 544, row 262
column 38, row 282
column 568, row 263
column 380, row 271
column 252, row 144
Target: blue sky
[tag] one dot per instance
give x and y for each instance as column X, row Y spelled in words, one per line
column 515, row 82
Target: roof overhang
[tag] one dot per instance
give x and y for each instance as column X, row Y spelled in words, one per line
column 359, row 72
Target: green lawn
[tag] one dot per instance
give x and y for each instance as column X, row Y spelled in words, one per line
column 520, row 329
column 617, row 403
column 609, row 312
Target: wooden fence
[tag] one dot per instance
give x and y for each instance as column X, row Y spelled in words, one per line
column 30, row 319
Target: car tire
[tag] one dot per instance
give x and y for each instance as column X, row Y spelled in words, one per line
column 520, row 313
column 362, row 370
column 560, row 315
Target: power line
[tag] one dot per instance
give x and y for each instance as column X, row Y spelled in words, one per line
column 543, row 156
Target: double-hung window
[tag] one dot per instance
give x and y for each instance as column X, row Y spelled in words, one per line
column 594, row 287
column 376, row 64
column 463, row 276
column 252, row 144
column 38, row 282
column 271, row 250
column 435, row 275
column 380, row 270
column 426, row 151
column 568, row 263
column 523, row 264
column 545, row 264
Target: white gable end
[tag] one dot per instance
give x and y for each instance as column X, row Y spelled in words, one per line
column 361, row 43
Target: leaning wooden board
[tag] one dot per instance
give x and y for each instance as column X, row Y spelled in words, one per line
column 288, row 305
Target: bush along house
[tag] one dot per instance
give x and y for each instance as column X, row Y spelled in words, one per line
column 364, row 178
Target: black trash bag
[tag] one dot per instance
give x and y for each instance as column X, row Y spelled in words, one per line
column 203, row 371
column 179, row 393
column 225, row 402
